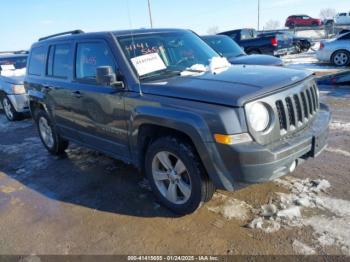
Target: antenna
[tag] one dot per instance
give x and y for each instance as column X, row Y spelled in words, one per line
column 150, row 13
column 133, row 42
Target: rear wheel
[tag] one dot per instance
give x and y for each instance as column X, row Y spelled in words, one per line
column 10, row 112
column 253, row 52
column 341, row 58
column 176, row 175
column 49, row 137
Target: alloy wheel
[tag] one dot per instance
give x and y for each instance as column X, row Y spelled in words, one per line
column 7, row 108
column 341, row 59
column 46, row 132
column 171, row 177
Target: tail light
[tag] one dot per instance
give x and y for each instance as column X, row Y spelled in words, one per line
column 274, row 41
column 321, row 45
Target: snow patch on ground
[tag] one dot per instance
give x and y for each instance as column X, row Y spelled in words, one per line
column 338, row 151
column 32, row 155
column 6, row 126
column 331, row 231
column 302, row 249
column 338, row 125
column 233, row 209
column 287, row 210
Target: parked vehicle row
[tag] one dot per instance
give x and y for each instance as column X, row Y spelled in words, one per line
column 165, row 101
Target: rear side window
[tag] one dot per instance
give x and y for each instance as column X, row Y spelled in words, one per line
column 37, row 61
column 345, row 37
column 89, row 57
column 60, row 61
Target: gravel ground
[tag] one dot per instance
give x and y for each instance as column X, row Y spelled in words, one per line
column 87, row 203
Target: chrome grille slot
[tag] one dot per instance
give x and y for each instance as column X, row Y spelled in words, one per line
column 291, row 112
column 298, row 108
column 305, row 105
column 281, row 115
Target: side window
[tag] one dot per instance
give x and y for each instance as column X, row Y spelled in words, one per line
column 89, row 57
column 37, row 61
column 345, row 37
column 62, row 66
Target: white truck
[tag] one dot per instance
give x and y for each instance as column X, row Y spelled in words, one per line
column 342, row 19
column 13, row 97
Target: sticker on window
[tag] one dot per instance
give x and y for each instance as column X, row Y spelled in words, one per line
column 8, row 67
column 149, row 63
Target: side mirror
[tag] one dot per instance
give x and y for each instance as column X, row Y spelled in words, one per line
column 106, row 76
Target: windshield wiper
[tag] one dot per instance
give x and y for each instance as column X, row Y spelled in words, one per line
column 163, row 73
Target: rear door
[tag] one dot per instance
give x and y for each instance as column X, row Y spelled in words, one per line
column 101, row 108
column 60, row 89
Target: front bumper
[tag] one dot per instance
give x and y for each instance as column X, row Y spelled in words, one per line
column 255, row 163
column 20, row 102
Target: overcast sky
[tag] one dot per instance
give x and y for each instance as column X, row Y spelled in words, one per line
column 24, row 21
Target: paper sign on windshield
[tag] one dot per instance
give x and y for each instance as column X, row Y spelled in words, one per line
column 149, row 63
column 8, row 67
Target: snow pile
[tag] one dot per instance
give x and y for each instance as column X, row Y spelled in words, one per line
column 233, row 209
column 302, row 249
column 217, row 65
column 338, row 125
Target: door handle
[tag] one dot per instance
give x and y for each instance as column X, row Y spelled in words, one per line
column 77, row 94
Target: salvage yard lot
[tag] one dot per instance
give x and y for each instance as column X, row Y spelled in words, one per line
column 87, row 203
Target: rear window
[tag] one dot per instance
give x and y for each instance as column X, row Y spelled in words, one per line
column 17, row 62
column 37, row 61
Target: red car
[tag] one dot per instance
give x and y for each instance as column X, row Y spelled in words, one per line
column 302, row 20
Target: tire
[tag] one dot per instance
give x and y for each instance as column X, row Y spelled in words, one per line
column 341, row 58
column 48, row 135
column 10, row 112
column 191, row 185
column 291, row 25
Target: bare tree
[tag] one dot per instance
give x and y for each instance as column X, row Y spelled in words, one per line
column 213, row 30
column 272, row 25
column 327, row 13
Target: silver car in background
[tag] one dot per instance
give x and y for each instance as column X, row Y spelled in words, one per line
column 335, row 51
column 13, row 96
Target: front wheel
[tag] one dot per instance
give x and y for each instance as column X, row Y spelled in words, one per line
column 341, row 58
column 10, row 112
column 176, row 175
column 49, row 137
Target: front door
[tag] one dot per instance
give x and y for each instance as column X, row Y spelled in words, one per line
column 101, row 110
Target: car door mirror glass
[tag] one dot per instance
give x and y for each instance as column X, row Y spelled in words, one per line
column 106, row 76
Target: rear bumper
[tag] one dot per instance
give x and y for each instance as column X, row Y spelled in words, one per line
column 20, row 102
column 255, row 163
column 283, row 51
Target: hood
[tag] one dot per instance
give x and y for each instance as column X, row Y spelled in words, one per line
column 256, row 60
column 233, row 87
column 16, row 80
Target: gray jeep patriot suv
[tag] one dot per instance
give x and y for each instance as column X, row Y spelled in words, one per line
column 163, row 100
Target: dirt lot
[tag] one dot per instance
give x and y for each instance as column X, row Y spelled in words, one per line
column 87, row 203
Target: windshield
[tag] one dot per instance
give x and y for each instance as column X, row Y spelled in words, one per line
column 166, row 53
column 17, row 62
column 224, row 46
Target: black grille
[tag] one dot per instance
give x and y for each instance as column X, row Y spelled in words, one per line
column 296, row 110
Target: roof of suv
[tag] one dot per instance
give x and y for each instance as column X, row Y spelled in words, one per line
column 76, row 34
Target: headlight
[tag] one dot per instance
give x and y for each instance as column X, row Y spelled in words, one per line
column 18, row 89
column 258, row 116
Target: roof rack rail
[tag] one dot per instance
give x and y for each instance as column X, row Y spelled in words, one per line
column 15, row 52
column 73, row 32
